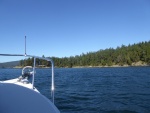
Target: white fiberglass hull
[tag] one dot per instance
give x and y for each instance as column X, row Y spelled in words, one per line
column 19, row 97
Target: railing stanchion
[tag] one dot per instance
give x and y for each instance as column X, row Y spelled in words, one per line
column 52, row 86
column 33, row 73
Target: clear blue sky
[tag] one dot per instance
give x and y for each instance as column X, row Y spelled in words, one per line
column 71, row 27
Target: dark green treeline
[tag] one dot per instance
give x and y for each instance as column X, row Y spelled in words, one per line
column 124, row 55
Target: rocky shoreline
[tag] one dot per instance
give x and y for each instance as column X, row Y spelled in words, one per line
column 135, row 64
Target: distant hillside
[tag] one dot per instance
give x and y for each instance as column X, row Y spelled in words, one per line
column 9, row 64
column 131, row 55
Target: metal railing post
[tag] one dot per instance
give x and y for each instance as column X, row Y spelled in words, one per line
column 33, row 73
column 52, row 86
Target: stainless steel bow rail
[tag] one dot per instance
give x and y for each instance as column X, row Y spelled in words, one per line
column 47, row 59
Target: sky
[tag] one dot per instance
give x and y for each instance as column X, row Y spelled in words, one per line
column 64, row 28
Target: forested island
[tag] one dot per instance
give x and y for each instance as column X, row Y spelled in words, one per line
column 131, row 55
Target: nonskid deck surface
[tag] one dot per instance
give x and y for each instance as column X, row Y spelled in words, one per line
column 19, row 99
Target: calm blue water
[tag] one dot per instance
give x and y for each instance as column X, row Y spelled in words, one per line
column 94, row 90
